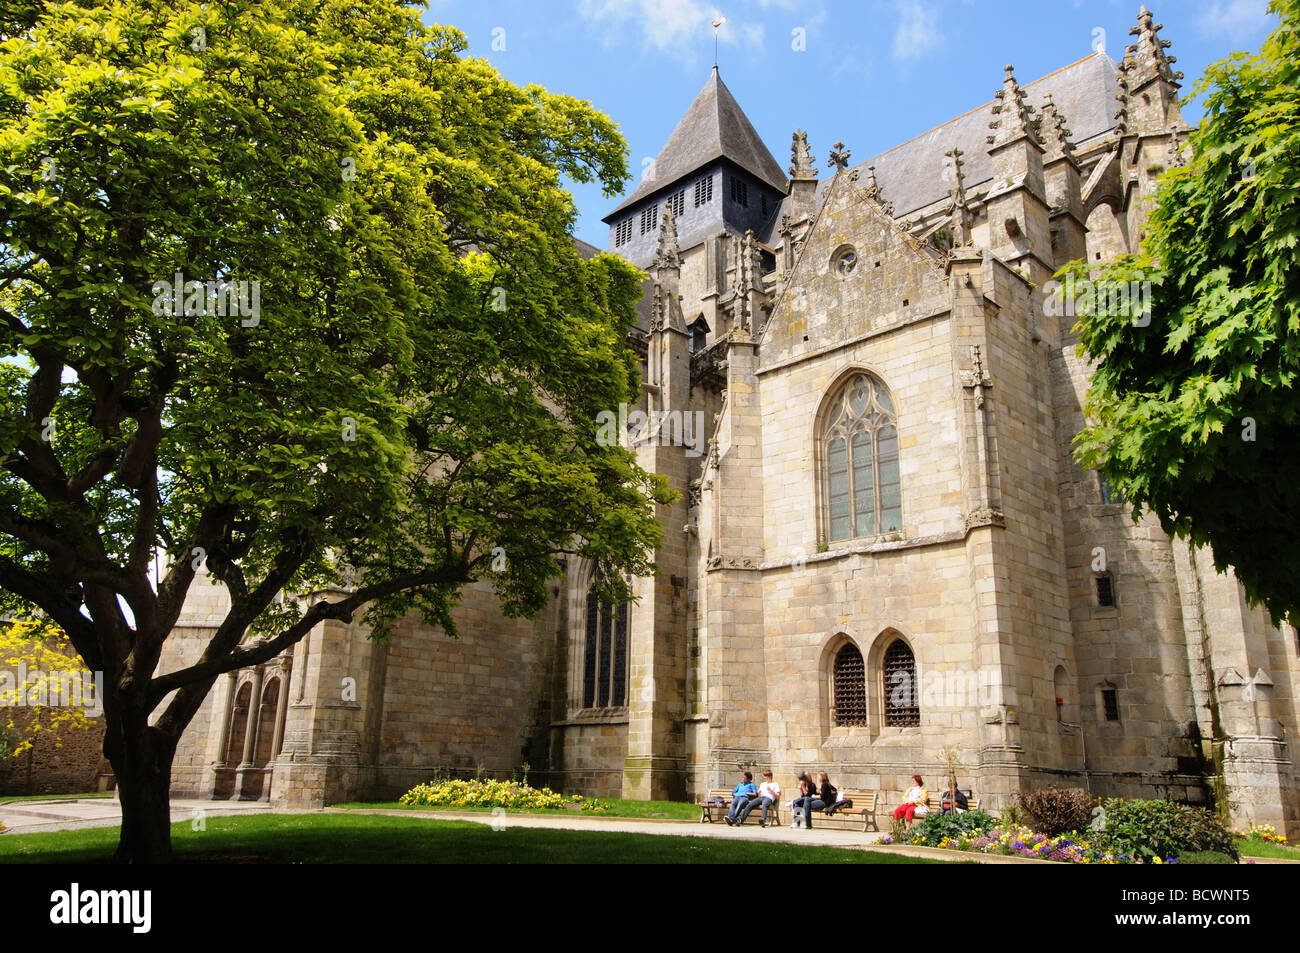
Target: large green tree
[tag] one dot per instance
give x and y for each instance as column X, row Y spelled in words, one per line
column 1196, row 414
column 405, row 401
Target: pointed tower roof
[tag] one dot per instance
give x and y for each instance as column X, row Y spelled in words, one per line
column 714, row 127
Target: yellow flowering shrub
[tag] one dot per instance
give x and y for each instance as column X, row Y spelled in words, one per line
column 31, row 652
column 512, row 795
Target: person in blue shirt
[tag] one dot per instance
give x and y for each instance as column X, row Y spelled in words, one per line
column 741, row 796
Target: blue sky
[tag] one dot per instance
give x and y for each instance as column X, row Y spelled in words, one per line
column 871, row 73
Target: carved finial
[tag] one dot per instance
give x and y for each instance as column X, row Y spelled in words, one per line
column 961, row 213
column 874, row 192
column 1148, row 53
column 1056, row 138
column 1174, row 149
column 976, row 379
column 800, row 158
column 668, row 255
column 1015, row 115
column 873, row 187
column 839, row 157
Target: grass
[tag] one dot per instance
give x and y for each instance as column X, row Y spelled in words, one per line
column 1254, row 847
column 673, row 810
column 362, row 839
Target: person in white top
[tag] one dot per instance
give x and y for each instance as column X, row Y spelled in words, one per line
column 769, row 793
column 913, row 805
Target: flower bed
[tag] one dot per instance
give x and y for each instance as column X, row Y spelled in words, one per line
column 1017, row 841
column 1261, row 832
column 1129, row 831
column 508, row 794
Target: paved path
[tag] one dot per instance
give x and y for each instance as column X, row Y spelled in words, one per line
column 71, row 814
column 820, row 837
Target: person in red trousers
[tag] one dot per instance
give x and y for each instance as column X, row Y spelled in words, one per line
column 913, row 805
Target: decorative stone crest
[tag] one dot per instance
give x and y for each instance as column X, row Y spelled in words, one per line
column 839, row 157
column 985, row 516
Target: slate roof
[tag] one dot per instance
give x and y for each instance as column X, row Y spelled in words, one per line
column 714, row 127
column 911, row 175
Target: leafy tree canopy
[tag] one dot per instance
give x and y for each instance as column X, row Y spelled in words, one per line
column 389, row 378
column 1195, row 414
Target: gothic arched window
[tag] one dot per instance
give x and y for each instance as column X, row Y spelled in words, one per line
column 859, row 446
column 850, row 682
column 902, row 699
column 604, row 667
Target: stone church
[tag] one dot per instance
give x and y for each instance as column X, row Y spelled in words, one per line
column 884, row 559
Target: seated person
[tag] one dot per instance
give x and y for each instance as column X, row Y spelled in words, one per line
column 807, row 793
column 841, row 802
column 913, row 805
column 769, row 792
column 741, row 796
column 818, row 802
column 954, row 802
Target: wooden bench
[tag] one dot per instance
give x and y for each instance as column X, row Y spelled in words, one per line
column 862, row 812
column 714, row 811
column 934, row 803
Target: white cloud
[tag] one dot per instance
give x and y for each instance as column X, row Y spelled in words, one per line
column 917, row 34
column 679, row 27
column 1237, row 20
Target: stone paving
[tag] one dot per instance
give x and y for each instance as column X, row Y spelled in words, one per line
column 70, row 814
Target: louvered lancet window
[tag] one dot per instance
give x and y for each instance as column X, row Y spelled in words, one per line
column 902, row 705
column 850, row 687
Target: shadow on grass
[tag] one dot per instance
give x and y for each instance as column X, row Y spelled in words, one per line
column 363, row 839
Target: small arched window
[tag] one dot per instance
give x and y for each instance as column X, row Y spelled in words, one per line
column 902, row 701
column 859, row 447
column 850, row 687
column 604, row 669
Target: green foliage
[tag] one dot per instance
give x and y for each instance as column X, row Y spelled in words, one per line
column 507, row 794
column 1161, row 829
column 410, row 408
column 1013, row 815
column 936, row 827
column 1205, row 857
column 1195, row 416
column 1056, row 810
column 9, row 741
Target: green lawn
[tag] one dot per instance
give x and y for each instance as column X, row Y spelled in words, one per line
column 673, row 810
column 1254, row 847
column 360, row 839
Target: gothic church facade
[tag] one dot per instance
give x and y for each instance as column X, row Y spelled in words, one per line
column 884, row 558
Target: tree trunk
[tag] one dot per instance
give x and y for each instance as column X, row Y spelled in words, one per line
column 142, row 760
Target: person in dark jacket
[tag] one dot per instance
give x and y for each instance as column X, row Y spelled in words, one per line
column 954, row 802
column 825, row 795
column 807, row 793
